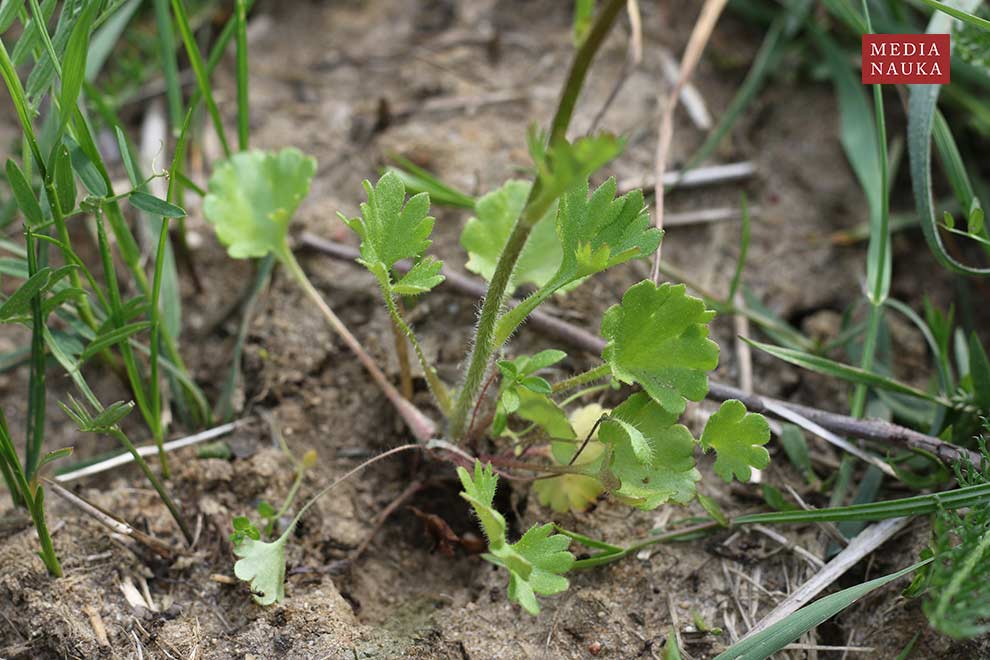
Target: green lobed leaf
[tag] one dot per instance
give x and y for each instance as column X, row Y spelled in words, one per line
column 421, row 278
column 535, row 562
column 737, row 437
column 263, row 566
column 479, row 491
column 670, row 473
column 391, row 228
column 484, row 237
column 547, row 554
column 251, row 199
column 594, row 233
column 563, row 164
column 658, row 339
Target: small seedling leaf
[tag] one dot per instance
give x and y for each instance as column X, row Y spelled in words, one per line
column 251, row 199
column 669, row 475
column 658, row 339
column 542, row 360
column 266, row 510
column 391, row 228
column 536, row 384
column 54, row 456
column 244, row 528
column 547, row 554
column 535, row 562
column 738, row 438
column 263, row 566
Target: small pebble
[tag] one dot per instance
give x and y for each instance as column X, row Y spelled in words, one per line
column 595, row 648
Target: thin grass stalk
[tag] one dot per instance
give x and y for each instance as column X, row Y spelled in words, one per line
column 127, row 353
column 163, row 493
column 154, row 396
column 36, row 382
column 243, row 115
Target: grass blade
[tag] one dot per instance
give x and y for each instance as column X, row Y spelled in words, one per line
column 766, row 643
column 36, row 383
column 846, row 372
column 199, row 69
column 744, row 234
column 967, row 496
column 922, row 106
column 963, row 16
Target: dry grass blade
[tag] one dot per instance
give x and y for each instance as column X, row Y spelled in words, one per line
column 147, row 450
column 692, row 54
column 868, row 540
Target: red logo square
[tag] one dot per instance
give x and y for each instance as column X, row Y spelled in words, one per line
column 908, row 59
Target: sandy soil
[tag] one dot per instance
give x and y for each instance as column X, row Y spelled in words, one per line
column 321, row 75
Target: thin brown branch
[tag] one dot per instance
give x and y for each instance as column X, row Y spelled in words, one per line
column 111, row 522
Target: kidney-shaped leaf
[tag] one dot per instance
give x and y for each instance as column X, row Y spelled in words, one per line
column 252, row 197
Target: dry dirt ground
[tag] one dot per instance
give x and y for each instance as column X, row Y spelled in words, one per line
column 351, row 82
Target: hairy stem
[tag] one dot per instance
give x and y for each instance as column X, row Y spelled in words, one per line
column 437, row 388
column 599, row 372
column 536, row 206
